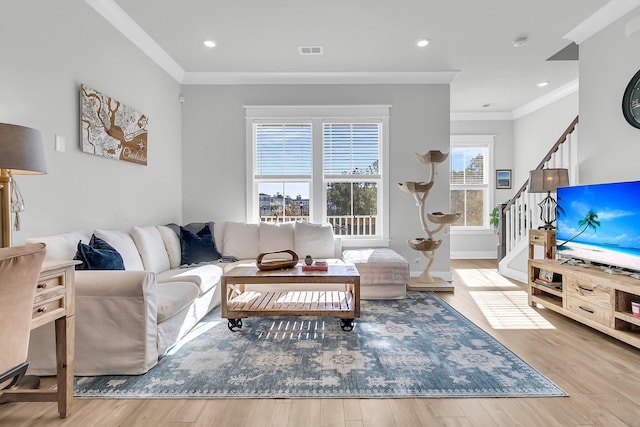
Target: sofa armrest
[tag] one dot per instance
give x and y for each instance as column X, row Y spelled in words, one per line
column 116, row 326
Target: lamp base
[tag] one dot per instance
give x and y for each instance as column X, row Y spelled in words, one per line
column 546, row 227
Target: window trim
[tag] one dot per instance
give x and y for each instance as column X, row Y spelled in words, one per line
column 486, row 141
column 317, row 115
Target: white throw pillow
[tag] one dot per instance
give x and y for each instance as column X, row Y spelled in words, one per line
column 123, row 243
column 62, row 246
column 151, row 248
column 241, row 240
column 315, row 239
column 277, row 237
column 172, row 245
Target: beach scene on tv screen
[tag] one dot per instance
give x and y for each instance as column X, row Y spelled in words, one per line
column 600, row 223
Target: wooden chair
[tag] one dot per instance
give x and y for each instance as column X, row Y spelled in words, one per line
column 19, row 270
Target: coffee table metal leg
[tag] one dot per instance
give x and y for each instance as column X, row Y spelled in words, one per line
column 234, row 324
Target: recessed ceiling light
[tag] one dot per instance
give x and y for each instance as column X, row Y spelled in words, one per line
column 543, row 84
column 209, row 43
column 422, row 43
column 486, row 105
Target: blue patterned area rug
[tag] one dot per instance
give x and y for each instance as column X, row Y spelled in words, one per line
column 416, row 347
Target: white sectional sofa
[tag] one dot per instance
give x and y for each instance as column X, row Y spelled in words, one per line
column 127, row 319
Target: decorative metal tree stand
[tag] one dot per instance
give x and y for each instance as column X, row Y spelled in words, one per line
column 428, row 246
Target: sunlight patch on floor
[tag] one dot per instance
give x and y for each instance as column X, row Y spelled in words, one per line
column 484, row 278
column 509, row 310
column 197, row 330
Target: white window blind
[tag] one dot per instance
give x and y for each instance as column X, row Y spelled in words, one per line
column 283, row 150
column 351, row 149
column 468, row 165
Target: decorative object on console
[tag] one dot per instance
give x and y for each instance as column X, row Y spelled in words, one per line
column 308, row 260
column 631, row 101
column 428, row 246
column 21, row 153
column 547, row 181
column 111, row 129
column 635, row 308
column 277, row 264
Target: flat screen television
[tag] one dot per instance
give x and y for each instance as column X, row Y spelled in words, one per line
column 600, row 223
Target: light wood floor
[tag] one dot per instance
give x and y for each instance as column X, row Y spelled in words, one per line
column 601, row 375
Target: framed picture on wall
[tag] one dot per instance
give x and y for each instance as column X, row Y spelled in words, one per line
column 503, row 178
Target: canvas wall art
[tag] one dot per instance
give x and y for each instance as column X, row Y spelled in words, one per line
column 112, row 129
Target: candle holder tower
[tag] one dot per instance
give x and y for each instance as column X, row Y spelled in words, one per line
column 432, row 223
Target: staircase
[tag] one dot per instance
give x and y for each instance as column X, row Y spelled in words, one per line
column 522, row 213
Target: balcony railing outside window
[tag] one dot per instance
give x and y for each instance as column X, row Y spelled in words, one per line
column 343, row 225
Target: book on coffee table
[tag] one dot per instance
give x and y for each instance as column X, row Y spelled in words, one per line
column 316, row 267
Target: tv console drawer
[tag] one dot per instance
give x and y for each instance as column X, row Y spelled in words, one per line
column 589, row 310
column 590, row 290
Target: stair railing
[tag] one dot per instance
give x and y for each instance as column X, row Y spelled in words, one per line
column 521, row 212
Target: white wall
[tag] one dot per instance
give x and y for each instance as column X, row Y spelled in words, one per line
column 465, row 244
column 214, row 148
column 609, row 146
column 537, row 132
column 48, row 50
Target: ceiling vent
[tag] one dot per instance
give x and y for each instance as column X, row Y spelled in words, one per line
column 310, row 50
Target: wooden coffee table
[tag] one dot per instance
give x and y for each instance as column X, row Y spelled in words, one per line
column 296, row 300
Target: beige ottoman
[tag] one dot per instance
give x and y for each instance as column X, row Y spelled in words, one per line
column 384, row 274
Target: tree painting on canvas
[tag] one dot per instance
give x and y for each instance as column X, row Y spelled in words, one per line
column 111, row 129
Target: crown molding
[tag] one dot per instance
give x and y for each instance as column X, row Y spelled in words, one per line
column 304, row 78
column 550, row 98
column 480, row 115
column 606, row 15
column 117, row 17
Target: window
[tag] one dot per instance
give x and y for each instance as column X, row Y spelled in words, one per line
column 282, row 170
column 351, row 176
column 470, row 179
column 321, row 164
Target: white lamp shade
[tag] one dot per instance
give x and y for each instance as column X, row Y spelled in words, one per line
column 21, row 150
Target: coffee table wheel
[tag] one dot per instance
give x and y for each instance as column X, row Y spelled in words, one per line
column 347, row 324
column 234, row 324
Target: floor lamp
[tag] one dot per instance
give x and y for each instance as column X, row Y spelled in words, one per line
column 21, row 153
column 547, row 181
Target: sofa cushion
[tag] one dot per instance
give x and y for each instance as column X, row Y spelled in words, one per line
column 276, row 237
column 204, row 276
column 123, row 243
column 61, row 246
column 173, row 297
column 98, row 255
column 151, row 248
column 314, row 239
column 172, row 245
column 197, row 248
column 241, row 240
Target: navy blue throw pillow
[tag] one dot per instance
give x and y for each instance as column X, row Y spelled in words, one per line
column 98, row 255
column 198, row 247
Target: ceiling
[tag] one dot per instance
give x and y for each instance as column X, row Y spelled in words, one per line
column 365, row 40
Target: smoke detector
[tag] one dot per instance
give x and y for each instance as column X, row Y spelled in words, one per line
column 519, row 42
